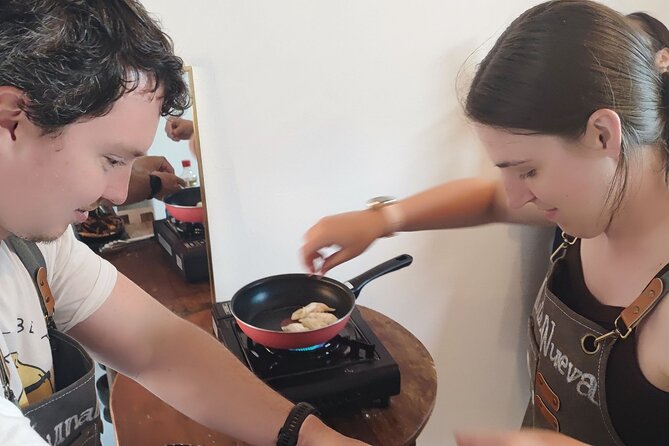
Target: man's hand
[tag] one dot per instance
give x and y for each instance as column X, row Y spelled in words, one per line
column 178, row 129
column 140, row 188
column 524, row 437
column 315, row 433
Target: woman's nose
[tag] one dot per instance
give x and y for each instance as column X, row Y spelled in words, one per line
column 517, row 192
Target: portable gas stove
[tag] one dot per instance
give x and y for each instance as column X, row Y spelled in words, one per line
column 351, row 370
column 186, row 245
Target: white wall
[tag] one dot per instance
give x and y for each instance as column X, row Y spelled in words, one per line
column 309, row 108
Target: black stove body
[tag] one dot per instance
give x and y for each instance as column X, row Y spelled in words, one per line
column 186, row 245
column 351, row 370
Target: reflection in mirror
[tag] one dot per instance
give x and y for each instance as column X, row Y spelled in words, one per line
column 164, row 206
column 163, row 236
column 157, row 238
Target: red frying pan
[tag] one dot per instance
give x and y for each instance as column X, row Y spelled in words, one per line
column 182, row 205
column 262, row 307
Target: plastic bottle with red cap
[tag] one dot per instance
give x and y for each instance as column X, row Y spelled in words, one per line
column 188, row 174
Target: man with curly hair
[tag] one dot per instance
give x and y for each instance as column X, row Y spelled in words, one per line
column 72, row 73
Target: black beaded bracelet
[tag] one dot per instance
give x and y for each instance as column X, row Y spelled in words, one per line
column 291, row 428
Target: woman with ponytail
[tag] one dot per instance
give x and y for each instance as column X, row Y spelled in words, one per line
column 572, row 105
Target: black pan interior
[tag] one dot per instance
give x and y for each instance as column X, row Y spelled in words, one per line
column 268, row 303
column 189, row 196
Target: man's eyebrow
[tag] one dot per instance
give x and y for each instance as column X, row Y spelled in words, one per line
column 506, row 164
column 128, row 151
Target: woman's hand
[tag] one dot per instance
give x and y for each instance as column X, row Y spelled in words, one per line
column 524, row 437
column 350, row 234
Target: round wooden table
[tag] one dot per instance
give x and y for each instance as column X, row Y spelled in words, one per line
column 141, row 418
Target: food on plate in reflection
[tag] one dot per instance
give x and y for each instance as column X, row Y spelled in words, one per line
column 315, row 321
column 313, row 307
column 98, row 226
column 295, row 327
column 311, row 317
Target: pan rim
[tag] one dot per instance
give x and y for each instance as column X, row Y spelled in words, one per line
column 290, row 276
column 293, row 333
column 181, row 191
column 179, row 206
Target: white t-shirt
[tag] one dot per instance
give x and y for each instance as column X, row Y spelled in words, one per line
column 80, row 281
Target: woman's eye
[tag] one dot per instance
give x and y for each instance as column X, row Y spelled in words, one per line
column 528, row 174
column 114, row 162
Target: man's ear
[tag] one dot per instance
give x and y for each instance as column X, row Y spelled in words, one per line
column 604, row 132
column 10, row 111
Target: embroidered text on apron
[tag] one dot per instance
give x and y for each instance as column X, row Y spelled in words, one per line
column 70, row 416
column 567, row 358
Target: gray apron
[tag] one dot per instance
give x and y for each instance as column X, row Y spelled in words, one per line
column 567, row 359
column 70, row 416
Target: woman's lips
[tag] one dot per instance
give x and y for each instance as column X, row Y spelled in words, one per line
column 550, row 214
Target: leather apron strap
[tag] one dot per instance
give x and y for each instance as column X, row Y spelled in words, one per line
column 631, row 316
column 33, row 260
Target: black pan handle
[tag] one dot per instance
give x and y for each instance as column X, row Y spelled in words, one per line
column 386, row 267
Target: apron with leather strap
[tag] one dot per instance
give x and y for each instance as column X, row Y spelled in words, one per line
column 567, row 358
column 70, row 416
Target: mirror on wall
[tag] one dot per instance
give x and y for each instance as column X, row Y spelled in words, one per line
column 160, row 243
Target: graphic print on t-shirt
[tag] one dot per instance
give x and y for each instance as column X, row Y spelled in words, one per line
column 28, row 353
column 37, row 384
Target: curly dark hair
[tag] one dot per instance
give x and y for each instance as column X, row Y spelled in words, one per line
column 74, row 58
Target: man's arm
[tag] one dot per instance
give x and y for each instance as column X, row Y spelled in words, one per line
column 189, row 369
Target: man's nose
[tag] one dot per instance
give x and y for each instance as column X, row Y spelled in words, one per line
column 117, row 188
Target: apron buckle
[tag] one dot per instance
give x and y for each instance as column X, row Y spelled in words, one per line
column 591, row 343
column 567, row 240
column 629, row 318
column 627, row 330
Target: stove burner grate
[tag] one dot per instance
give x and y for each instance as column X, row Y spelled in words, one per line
column 186, row 230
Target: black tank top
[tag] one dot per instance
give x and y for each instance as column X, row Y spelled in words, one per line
column 639, row 410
